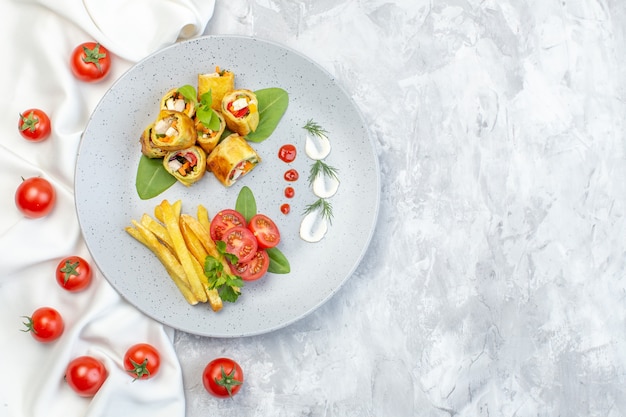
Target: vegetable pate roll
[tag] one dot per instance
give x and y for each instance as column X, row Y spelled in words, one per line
column 240, row 109
column 175, row 100
column 231, row 159
column 147, row 147
column 173, row 130
column 186, row 165
column 208, row 138
column 219, row 83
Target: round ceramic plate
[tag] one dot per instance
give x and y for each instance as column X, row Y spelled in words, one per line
column 107, row 201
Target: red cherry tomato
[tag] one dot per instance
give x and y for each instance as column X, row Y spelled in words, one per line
column 222, row 377
column 90, row 62
column 253, row 269
column 73, row 273
column 240, row 242
column 34, row 125
column 85, row 375
column 142, row 361
column 265, row 231
column 45, row 324
column 35, row 197
column 224, row 220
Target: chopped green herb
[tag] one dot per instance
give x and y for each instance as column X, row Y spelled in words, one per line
column 227, row 285
column 321, row 167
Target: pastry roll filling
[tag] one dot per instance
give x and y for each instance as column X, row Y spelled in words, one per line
column 183, row 163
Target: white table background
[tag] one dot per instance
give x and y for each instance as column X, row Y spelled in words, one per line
column 494, row 285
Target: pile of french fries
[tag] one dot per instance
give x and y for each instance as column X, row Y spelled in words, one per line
column 181, row 242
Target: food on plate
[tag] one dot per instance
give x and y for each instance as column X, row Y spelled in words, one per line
column 142, row 361
column 90, row 62
column 207, row 137
column 218, row 83
column 224, row 220
column 241, row 111
column 254, row 268
column 173, row 131
column 186, row 165
column 265, row 231
column 240, row 242
column 148, row 148
column 34, row 125
column 45, row 324
column 231, row 159
column 73, row 273
column 175, row 100
column 222, row 377
column 85, row 375
column 35, row 197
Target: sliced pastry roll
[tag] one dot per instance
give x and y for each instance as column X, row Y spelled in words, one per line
column 147, row 147
column 208, row 138
column 173, row 130
column 186, row 165
column 241, row 111
column 175, row 100
column 231, row 159
column 219, row 83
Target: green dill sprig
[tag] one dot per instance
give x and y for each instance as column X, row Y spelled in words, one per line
column 324, row 206
column 320, row 167
column 314, row 128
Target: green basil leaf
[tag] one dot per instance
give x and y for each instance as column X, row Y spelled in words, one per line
column 206, row 99
column 246, row 204
column 273, row 103
column 152, row 178
column 189, row 92
column 278, row 261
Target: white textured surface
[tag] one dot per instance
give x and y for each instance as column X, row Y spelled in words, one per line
column 495, row 283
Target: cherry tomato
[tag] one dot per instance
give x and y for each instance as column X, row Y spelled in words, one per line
column 240, row 242
column 90, row 62
column 142, row 361
column 35, row 197
column 85, row 375
column 253, row 269
column 222, row 377
column 34, row 125
column 265, row 231
column 224, row 220
column 73, row 273
column 45, row 324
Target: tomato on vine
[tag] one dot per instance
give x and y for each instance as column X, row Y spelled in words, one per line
column 34, row 125
column 73, row 273
column 222, row 377
column 45, row 324
column 90, row 61
column 142, row 361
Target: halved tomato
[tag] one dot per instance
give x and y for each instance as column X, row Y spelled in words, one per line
column 240, row 242
column 224, row 220
column 254, row 268
column 265, row 231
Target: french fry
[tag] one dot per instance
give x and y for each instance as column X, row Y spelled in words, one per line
column 203, row 217
column 193, row 243
column 158, row 211
column 172, row 266
column 157, row 229
column 171, row 220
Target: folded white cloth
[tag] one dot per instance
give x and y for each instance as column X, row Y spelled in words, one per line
column 39, row 37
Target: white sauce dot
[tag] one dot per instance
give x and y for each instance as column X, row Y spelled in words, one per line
column 325, row 186
column 313, row 227
column 317, row 146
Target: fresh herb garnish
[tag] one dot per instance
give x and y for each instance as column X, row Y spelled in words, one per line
column 189, row 93
column 206, row 114
column 227, row 285
column 321, row 167
column 324, row 206
column 314, row 128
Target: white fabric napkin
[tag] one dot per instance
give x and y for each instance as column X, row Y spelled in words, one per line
column 39, row 36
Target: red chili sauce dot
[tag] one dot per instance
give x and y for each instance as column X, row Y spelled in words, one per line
column 287, row 153
column 291, row 175
column 285, row 208
column 289, row 192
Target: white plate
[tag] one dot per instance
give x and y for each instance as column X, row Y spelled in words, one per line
column 106, row 198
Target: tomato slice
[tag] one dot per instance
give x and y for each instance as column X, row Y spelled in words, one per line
column 225, row 220
column 254, row 268
column 265, row 231
column 240, row 242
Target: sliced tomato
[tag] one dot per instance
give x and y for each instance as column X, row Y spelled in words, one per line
column 240, row 242
column 254, row 268
column 265, row 231
column 224, row 220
